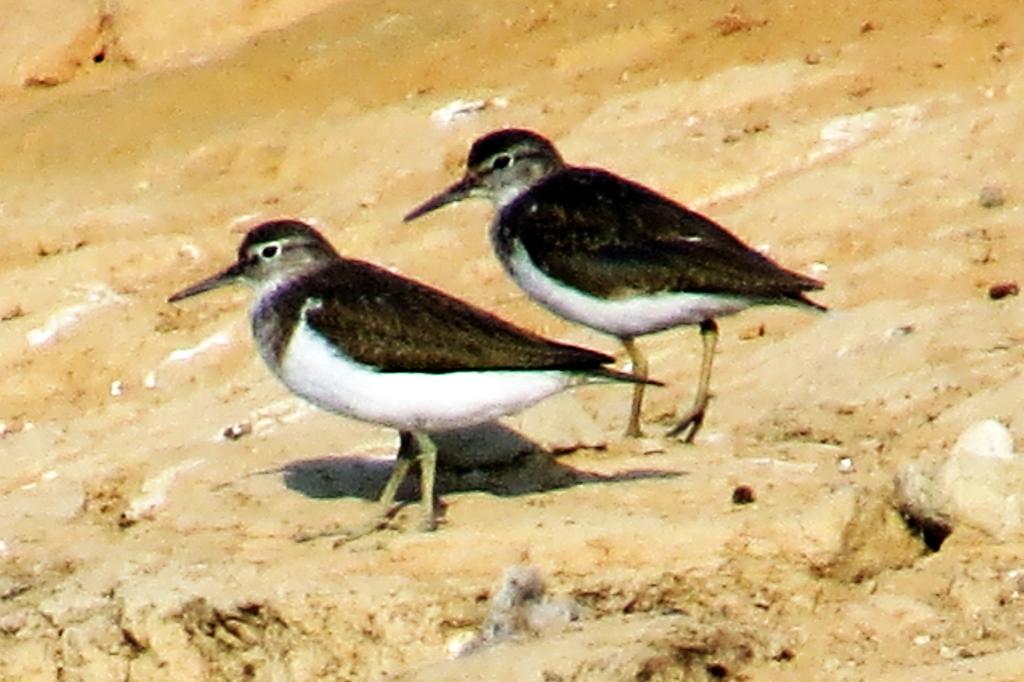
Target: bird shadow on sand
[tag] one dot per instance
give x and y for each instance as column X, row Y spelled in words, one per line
column 487, row 458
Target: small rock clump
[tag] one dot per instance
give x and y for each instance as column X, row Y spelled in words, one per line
column 518, row 608
column 991, row 196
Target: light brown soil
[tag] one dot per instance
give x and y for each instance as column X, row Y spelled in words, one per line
column 850, row 139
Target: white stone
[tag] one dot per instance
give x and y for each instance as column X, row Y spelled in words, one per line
column 982, row 479
column 462, row 643
column 191, row 251
column 987, row 439
column 980, row 483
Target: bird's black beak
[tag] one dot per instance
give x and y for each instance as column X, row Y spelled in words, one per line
column 226, row 276
column 462, row 189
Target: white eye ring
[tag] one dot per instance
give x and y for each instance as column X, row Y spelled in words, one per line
column 501, row 161
column 270, row 251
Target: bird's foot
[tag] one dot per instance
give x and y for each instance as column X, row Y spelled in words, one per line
column 690, row 424
column 345, row 534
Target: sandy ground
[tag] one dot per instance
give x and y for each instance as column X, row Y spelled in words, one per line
column 864, row 142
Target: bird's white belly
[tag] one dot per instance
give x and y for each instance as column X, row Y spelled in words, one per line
column 313, row 369
column 625, row 317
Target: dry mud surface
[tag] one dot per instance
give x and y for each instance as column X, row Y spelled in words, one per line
column 873, row 144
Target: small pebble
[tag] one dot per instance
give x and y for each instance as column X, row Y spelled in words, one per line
column 190, row 251
column 846, row 465
column 754, row 332
column 902, row 330
column 743, row 494
column 1002, row 290
column 460, row 108
column 462, row 643
column 991, row 196
column 12, row 313
column 236, row 431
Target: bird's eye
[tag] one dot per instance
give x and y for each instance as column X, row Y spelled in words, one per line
column 270, row 251
column 501, row 161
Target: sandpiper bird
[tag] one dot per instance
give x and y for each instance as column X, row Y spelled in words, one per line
column 355, row 339
column 614, row 255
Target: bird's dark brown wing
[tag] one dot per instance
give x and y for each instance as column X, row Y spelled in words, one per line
column 613, row 237
column 398, row 325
